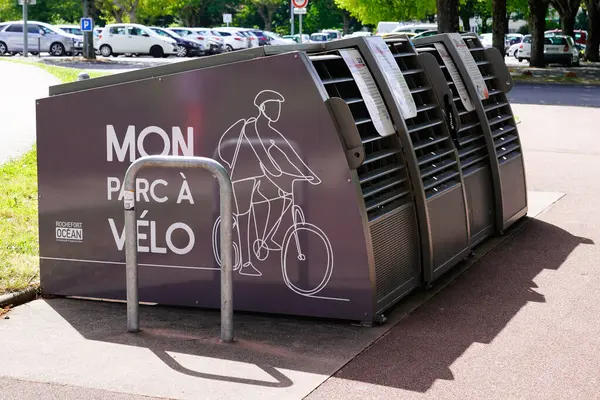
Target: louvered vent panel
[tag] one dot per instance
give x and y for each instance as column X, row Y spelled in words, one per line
column 497, row 108
column 383, row 176
column 469, row 140
column 432, row 145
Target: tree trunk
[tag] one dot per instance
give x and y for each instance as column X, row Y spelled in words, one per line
column 268, row 20
column 88, row 37
column 538, row 9
column 346, row 21
column 132, row 16
column 498, row 24
column 447, row 14
column 466, row 13
column 593, row 41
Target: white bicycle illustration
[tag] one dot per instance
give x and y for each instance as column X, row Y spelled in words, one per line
column 264, row 164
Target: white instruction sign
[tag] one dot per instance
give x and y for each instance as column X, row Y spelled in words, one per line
column 472, row 68
column 393, row 76
column 369, row 92
column 455, row 76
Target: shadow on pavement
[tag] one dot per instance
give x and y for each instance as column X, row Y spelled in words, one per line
column 413, row 355
column 270, row 343
column 474, row 309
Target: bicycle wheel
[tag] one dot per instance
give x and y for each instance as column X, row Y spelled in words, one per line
column 216, row 244
column 291, row 245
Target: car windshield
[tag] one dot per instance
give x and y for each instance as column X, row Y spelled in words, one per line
column 555, row 40
column 319, row 38
column 216, row 33
column 527, row 39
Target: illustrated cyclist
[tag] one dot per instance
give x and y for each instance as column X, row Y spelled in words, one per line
column 263, row 167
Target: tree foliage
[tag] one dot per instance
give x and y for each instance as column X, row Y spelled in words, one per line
column 373, row 11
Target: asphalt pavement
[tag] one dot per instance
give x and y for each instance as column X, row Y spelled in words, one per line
column 21, row 86
column 555, row 94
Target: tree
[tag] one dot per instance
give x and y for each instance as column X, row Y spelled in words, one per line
column 447, row 13
column 567, row 9
column 593, row 41
column 266, row 9
column 371, row 12
column 499, row 24
column 538, row 10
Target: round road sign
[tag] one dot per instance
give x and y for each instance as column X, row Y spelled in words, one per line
column 299, row 3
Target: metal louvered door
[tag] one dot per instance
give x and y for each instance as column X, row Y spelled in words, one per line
column 385, row 188
column 471, row 145
column 504, row 133
column 427, row 140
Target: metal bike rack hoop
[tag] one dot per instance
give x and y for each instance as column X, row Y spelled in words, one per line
column 131, row 268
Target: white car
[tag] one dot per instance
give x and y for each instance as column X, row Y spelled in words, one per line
column 190, row 34
column 275, row 39
column 252, row 40
column 118, row 39
column 216, row 42
column 333, row 33
column 558, row 49
column 233, row 40
column 513, row 50
column 486, row 40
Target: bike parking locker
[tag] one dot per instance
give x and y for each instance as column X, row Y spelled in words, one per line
column 430, row 156
column 488, row 141
column 347, row 243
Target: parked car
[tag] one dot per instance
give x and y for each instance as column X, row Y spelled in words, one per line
column 118, row 39
column 216, row 44
column 72, row 29
column 333, row 33
column 511, row 39
column 233, row 40
column 41, row 37
column 187, row 47
column 189, row 34
column 513, row 50
column 384, row 27
column 274, row 39
column 486, row 40
column 413, row 28
column 251, row 36
column 557, row 49
column 262, row 38
column 580, row 35
column 319, row 38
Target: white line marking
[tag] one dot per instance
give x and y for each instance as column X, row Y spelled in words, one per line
column 122, row 263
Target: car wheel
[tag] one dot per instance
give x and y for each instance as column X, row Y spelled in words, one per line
column 157, row 52
column 34, row 53
column 520, row 59
column 57, row 49
column 182, row 51
column 569, row 63
column 3, row 49
column 515, row 55
column 229, row 47
column 105, row 50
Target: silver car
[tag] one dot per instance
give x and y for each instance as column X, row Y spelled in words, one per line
column 42, row 38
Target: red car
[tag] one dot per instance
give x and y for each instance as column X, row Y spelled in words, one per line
column 580, row 35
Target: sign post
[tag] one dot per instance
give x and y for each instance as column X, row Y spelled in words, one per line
column 227, row 18
column 87, row 27
column 25, row 4
column 300, row 9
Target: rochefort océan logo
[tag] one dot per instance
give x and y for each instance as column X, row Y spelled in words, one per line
column 67, row 231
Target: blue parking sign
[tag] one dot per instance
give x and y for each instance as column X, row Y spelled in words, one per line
column 87, row 25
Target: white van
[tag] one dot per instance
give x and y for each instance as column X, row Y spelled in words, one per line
column 386, row 27
column 415, row 28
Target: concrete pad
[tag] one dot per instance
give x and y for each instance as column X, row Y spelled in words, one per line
column 177, row 355
column 21, row 86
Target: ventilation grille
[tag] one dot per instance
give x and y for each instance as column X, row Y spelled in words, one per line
column 396, row 264
column 469, row 140
column 383, row 176
column 497, row 109
column 431, row 142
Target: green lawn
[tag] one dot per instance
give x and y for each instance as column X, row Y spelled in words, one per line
column 19, row 249
column 63, row 73
column 19, row 265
